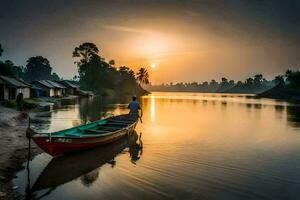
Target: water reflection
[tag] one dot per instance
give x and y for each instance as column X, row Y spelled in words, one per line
column 89, row 178
column 293, row 115
column 195, row 146
column 85, row 164
column 79, row 111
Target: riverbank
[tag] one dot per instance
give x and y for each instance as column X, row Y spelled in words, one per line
column 283, row 93
column 13, row 149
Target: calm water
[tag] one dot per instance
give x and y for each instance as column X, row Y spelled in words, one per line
column 189, row 146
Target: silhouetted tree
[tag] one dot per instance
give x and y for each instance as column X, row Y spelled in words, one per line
column 112, row 62
column 224, row 82
column 6, row 68
column 231, row 82
column 99, row 76
column 38, row 68
column 258, row 78
column 143, row 76
column 213, row 85
column 85, row 52
column 55, row 77
column 279, row 80
column 293, row 78
column 249, row 82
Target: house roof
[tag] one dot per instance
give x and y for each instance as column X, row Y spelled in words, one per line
column 44, row 83
column 50, row 84
column 69, row 84
column 13, row 82
column 56, row 85
column 35, row 87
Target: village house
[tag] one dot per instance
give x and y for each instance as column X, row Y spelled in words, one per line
column 48, row 88
column 71, row 88
column 10, row 87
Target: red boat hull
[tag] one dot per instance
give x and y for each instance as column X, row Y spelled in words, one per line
column 56, row 148
column 61, row 145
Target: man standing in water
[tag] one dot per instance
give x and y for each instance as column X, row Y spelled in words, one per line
column 134, row 107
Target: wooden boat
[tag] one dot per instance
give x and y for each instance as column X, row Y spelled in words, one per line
column 85, row 136
column 55, row 174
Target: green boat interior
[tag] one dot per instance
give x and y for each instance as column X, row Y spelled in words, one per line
column 99, row 127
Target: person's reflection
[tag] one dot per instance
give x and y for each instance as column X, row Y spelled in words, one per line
column 89, row 178
column 135, row 147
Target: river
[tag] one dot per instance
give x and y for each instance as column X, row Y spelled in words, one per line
column 189, row 146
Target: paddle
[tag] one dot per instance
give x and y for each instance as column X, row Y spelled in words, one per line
column 141, row 119
column 140, row 116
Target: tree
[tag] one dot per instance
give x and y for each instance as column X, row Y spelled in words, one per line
column 89, row 65
column 112, row 62
column 224, row 82
column 85, row 52
column 279, row 80
column 293, row 78
column 6, row 68
column 205, row 84
column 239, row 83
column 18, row 71
column 213, row 85
column 1, row 50
column 258, row 78
column 38, row 68
column 55, row 77
column 249, row 82
column 143, row 76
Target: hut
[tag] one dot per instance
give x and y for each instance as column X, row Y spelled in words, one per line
column 71, row 88
column 49, row 88
column 11, row 86
column 59, row 89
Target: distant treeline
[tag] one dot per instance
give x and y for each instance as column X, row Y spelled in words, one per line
column 94, row 73
column 255, row 85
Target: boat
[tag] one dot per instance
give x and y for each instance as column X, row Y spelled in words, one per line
column 86, row 136
column 54, row 174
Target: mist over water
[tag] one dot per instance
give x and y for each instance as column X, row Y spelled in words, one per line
column 189, row 146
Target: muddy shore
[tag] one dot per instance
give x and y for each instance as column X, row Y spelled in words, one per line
column 13, row 149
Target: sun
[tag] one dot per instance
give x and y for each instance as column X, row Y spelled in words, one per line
column 153, row 65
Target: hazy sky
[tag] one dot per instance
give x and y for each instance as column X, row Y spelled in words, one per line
column 188, row 40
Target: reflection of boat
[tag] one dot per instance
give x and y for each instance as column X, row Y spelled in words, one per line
column 65, row 168
column 85, row 136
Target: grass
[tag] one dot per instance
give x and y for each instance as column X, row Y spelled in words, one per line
column 27, row 103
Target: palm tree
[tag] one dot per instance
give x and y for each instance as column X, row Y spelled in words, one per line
column 143, row 76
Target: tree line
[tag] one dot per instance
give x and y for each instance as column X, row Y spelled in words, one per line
column 256, row 84
column 100, row 76
column 94, row 73
column 37, row 68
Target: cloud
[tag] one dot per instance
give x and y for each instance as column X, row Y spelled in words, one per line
column 128, row 29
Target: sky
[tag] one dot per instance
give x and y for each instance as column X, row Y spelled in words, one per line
column 187, row 40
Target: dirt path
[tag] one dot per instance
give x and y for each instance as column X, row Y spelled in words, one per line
column 13, row 148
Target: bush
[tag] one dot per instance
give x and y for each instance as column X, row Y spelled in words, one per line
column 30, row 103
column 9, row 103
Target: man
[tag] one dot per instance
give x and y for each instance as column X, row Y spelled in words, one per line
column 134, row 107
column 19, row 101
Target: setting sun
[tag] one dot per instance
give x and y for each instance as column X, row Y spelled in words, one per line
column 153, row 65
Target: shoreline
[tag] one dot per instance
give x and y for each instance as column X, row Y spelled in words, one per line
column 13, row 149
